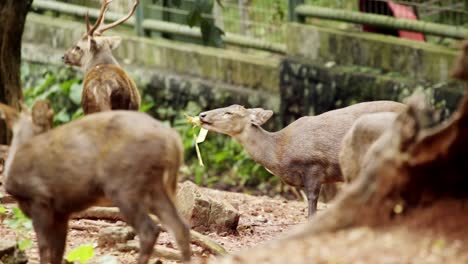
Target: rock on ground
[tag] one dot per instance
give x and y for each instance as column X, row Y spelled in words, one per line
column 11, row 254
column 109, row 236
column 204, row 213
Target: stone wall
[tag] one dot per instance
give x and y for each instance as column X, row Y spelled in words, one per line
column 309, row 89
column 419, row 60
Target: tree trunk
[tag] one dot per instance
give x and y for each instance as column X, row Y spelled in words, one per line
column 12, row 20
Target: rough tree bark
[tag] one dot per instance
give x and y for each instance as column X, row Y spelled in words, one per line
column 12, row 18
column 417, row 180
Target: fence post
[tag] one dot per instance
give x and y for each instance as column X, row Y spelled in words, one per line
column 139, row 17
column 291, row 13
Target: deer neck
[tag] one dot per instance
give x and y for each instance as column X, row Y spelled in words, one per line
column 261, row 146
column 102, row 57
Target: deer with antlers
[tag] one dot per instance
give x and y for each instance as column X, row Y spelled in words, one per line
column 106, row 85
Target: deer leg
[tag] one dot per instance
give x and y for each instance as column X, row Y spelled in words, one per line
column 165, row 210
column 43, row 224
column 312, row 189
column 135, row 214
column 58, row 238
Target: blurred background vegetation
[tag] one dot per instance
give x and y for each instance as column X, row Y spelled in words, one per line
column 227, row 164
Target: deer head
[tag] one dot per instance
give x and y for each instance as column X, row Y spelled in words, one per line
column 93, row 48
column 26, row 123
column 233, row 119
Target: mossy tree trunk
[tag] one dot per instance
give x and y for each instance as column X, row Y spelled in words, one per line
column 12, row 19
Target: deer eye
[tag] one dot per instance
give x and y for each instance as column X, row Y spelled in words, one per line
column 77, row 48
column 227, row 113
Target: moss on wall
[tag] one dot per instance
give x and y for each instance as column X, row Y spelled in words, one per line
column 423, row 61
column 255, row 71
column 310, row 89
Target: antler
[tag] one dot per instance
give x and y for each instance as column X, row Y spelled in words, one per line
column 103, row 27
column 90, row 30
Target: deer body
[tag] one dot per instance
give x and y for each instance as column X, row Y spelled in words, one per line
column 126, row 157
column 364, row 132
column 106, row 85
column 303, row 154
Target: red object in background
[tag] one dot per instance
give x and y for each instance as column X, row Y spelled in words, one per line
column 390, row 8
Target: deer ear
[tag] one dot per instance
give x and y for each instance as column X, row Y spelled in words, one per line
column 92, row 43
column 258, row 116
column 9, row 114
column 113, row 42
column 24, row 108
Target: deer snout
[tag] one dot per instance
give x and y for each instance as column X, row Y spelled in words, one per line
column 204, row 118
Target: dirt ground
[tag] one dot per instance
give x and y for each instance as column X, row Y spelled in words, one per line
column 262, row 219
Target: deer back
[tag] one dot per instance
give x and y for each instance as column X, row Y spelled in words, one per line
column 108, row 87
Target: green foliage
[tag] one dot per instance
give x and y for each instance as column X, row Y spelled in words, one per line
column 22, row 225
column 227, row 164
column 211, row 34
column 62, row 87
column 81, row 254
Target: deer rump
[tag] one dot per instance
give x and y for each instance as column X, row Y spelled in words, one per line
column 108, row 87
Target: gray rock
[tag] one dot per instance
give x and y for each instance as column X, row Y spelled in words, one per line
column 203, row 213
column 112, row 235
column 11, row 254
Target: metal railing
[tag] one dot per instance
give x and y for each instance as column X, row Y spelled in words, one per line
column 443, row 18
column 261, row 24
column 143, row 24
column 450, row 12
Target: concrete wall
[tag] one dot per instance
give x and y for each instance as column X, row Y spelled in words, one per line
column 253, row 71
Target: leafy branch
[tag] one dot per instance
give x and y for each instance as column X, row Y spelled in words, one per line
column 211, row 34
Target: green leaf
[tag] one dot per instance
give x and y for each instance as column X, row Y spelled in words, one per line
column 78, row 113
column 203, row 6
column 46, row 93
column 19, row 221
column 2, row 210
column 65, row 87
column 211, row 34
column 18, row 214
column 75, row 93
column 193, row 18
column 62, row 116
column 25, row 244
column 146, row 107
column 82, row 254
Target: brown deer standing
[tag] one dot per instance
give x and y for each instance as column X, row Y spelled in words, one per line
column 106, row 85
column 303, row 154
column 126, row 157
